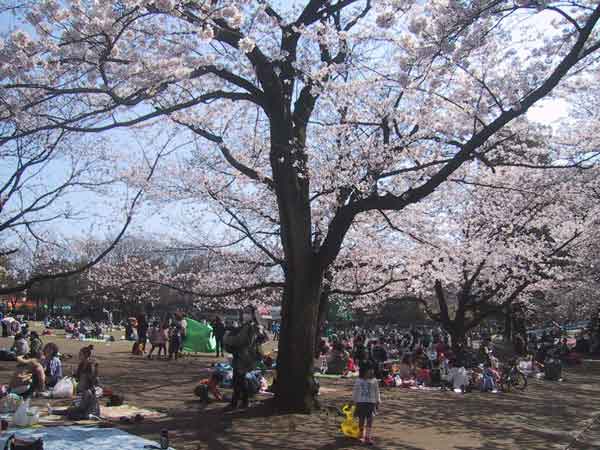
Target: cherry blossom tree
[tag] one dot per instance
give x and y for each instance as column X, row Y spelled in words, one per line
column 315, row 114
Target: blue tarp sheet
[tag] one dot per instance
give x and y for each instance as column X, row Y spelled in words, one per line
column 81, row 438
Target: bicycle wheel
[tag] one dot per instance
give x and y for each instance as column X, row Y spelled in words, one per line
column 519, row 381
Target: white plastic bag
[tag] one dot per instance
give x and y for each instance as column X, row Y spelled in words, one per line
column 20, row 419
column 65, row 388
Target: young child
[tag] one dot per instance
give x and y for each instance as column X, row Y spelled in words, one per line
column 210, row 385
column 367, row 399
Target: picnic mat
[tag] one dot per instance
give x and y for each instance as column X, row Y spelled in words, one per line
column 117, row 412
column 52, row 420
column 82, row 438
column 327, row 375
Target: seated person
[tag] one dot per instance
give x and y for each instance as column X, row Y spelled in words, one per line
column 28, row 379
column 405, row 368
column 52, row 364
column 440, row 347
column 423, row 375
column 582, row 344
column 338, row 360
column 420, row 358
column 378, row 352
column 85, row 405
column 87, row 369
column 35, row 346
column 457, row 376
column 323, row 347
column 20, row 346
column 488, row 382
column 436, row 373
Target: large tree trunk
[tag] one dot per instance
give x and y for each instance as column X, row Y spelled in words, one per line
column 458, row 335
column 508, row 324
column 303, row 274
column 323, row 310
column 299, row 322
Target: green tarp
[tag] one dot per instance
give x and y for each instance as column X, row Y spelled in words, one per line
column 198, row 338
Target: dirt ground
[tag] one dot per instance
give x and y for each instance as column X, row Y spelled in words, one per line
column 546, row 416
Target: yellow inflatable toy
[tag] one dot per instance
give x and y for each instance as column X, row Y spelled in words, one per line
column 350, row 424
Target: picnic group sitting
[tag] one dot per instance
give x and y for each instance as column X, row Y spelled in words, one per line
column 84, row 329
column 41, row 375
column 405, row 361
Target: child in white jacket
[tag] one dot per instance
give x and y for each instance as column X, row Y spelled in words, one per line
column 367, row 399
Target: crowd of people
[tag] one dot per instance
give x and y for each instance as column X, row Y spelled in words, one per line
column 386, row 356
column 426, row 358
column 165, row 335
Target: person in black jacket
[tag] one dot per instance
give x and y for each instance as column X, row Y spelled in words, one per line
column 142, row 331
column 359, row 354
column 218, row 331
column 378, row 356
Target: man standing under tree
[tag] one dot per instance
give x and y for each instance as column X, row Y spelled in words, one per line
column 246, row 349
column 218, row 331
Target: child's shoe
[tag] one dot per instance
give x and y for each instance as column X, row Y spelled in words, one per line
column 362, row 436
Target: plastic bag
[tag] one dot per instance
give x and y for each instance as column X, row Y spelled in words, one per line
column 350, row 426
column 22, row 417
column 65, row 388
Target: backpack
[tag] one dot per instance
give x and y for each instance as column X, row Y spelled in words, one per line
column 234, row 340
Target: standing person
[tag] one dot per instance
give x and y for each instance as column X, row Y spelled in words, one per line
column 174, row 341
column 218, row 331
column 155, row 335
column 245, row 357
column 379, row 357
column 163, row 338
column 181, row 324
column 142, row 332
column 275, row 330
column 367, row 399
column 128, row 330
column 359, row 351
column 109, row 318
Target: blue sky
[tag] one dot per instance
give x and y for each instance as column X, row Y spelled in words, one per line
column 101, row 212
